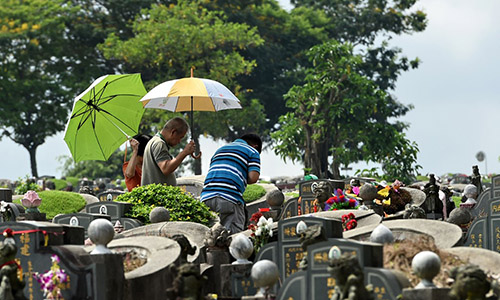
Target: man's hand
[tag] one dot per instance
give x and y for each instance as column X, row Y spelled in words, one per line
column 190, row 148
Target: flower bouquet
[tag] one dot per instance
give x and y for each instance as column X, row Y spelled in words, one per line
column 261, row 230
column 52, row 281
column 349, row 221
column 340, row 201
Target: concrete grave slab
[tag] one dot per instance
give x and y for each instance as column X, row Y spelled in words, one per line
column 445, row 235
column 194, row 232
column 150, row 280
column 486, row 259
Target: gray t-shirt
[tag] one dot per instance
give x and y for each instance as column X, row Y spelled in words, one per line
column 156, row 151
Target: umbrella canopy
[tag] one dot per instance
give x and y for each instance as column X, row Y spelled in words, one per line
column 104, row 116
column 191, row 94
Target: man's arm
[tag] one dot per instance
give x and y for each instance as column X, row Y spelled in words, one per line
column 169, row 166
column 253, row 177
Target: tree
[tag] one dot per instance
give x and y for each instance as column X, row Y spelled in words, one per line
column 46, row 57
column 169, row 40
column 112, row 168
column 342, row 113
column 287, row 36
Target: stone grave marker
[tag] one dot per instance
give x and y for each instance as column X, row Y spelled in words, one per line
column 78, row 219
column 116, row 211
column 289, row 249
column 97, row 277
column 5, row 195
column 316, row 282
column 109, row 195
column 484, row 231
column 304, row 203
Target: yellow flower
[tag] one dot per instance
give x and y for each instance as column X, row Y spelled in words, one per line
column 35, row 27
column 24, row 26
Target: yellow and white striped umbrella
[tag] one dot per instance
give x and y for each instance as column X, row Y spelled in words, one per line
column 191, row 94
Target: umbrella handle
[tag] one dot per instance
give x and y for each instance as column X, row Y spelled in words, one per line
column 196, row 156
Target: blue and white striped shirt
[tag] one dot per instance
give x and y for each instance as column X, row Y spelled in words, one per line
column 228, row 172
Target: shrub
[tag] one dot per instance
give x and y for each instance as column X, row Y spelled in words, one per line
column 73, row 180
column 59, row 202
column 182, row 207
column 253, row 192
column 25, row 185
column 60, row 184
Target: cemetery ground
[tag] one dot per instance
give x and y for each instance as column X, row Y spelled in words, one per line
column 319, row 240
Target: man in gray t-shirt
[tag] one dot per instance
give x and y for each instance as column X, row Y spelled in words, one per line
column 158, row 164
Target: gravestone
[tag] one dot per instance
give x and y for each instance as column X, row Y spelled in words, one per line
column 116, row 212
column 109, row 195
column 97, row 277
column 287, row 252
column 484, row 231
column 5, row 195
column 304, row 203
column 78, row 219
column 316, row 282
column 192, row 184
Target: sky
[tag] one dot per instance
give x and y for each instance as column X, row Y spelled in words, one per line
column 455, row 92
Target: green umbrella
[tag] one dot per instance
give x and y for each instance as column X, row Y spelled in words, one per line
column 104, row 116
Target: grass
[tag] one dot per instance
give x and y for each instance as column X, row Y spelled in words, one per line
column 253, row 192
column 59, row 202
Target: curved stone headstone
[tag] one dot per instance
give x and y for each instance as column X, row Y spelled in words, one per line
column 194, row 232
column 486, row 259
column 145, row 281
column 445, row 235
column 89, row 199
column 417, row 196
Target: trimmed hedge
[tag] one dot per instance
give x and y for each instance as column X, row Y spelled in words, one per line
column 59, row 202
column 253, row 192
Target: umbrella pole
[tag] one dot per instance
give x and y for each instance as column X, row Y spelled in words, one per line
column 192, row 120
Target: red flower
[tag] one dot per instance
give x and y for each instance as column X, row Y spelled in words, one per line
column 255, row 217
column 335, row 199
column 351, row 215
column 342, row 198
column 330, row 200
column 351, row 224
column 252, row 227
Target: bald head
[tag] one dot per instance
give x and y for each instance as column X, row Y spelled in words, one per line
column 177, row 123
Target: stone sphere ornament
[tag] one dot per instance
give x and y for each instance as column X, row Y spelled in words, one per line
column 159, row 214
column 101, row 232
column 381, row 234
column 241, row 248
column 426, row 266
column 264, row 274
column 275, row 198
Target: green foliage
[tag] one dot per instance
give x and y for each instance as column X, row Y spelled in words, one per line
column 210, row 44
column 59, row 183
column 73, row 180
column 59, row 202
column 457, row 200
column 44, row 61
column 341, row 113
column 112, row 168
column 182, row 207
column 25, row 184
column 253, row 192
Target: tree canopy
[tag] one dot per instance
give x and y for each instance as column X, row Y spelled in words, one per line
column 340, row 113
column 43, row 62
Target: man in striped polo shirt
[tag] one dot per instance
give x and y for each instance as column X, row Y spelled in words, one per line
column 232, row 167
